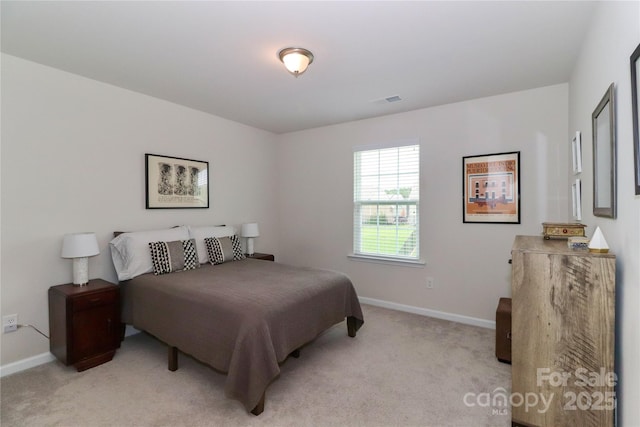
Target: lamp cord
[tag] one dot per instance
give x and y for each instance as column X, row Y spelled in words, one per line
column 36, row 329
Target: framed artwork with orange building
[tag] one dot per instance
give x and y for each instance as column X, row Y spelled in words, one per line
column 491, row 188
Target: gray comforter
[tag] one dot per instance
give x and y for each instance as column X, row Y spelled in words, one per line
column 241, row 317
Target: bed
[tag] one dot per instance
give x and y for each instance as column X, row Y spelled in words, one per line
column 242, row 317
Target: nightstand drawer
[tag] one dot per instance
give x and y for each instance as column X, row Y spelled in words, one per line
column 94, row 300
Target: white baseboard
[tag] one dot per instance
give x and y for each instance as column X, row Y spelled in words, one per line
column 430, row 313
column 40, row 359
column 30, row 362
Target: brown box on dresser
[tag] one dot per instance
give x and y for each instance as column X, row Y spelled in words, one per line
column 84, row 323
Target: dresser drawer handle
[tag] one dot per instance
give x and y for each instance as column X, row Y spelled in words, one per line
column 93, row 300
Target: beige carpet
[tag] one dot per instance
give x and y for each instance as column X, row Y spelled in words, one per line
column 401, row 370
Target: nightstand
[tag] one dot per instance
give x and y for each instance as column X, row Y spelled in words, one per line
column 84, row 323
column 258, row 255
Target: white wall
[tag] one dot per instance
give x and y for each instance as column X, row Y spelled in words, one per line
column 613, row 36
column 73, row 160
column 468, row 261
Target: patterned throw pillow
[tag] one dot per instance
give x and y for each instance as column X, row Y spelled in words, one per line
column 223, row 249
column 179, row 255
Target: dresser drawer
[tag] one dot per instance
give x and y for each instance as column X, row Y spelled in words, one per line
column 94, row 300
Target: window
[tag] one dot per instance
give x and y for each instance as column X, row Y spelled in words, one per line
column 385, row 198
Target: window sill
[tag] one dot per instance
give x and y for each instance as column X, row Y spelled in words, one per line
column 390, row 261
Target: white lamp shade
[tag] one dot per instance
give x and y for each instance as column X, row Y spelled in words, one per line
column 79, row 245
column 295, row 62
column 250, row 230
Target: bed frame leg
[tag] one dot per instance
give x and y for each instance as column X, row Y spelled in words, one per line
column 351, row 326
column 173, row 358
column 260, row 406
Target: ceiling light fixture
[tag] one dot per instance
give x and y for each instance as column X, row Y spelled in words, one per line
column 296, row 59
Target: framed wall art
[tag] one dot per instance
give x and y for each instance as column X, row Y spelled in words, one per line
column 176, row 183
column 576, row 153
column 635, row 107
column 491, row 188
column 576, row 197
column 604, row 156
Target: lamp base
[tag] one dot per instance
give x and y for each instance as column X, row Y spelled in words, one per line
column 81, row 271
column 250, row 245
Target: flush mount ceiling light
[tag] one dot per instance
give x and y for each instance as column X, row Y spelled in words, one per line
column 296, row 59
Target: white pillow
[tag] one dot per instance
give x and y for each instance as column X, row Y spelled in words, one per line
column 201, row 233
column 131, row 254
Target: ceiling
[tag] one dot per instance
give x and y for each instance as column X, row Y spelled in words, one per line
column 221, row 57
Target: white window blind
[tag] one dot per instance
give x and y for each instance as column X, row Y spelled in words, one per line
column 386, row 202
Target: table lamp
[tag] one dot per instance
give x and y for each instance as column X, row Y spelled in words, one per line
column 598, row 243
column 79, row 247
column 250, row 230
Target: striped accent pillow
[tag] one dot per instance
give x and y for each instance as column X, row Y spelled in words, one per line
column 168, row 257
column 223, row 249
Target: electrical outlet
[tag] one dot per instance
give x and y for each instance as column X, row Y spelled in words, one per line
column 10, row 323
column 430, row 281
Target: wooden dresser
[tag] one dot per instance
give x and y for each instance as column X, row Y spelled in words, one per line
column 563, row 322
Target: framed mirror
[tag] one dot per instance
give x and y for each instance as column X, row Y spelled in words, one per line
column 604, row 156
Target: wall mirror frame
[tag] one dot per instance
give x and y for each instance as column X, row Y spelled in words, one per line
column 635, row 101
column 604, row 156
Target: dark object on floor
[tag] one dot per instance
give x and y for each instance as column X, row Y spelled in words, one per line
column 503, row 330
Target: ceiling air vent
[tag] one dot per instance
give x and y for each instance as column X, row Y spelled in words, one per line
column 387, row 100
